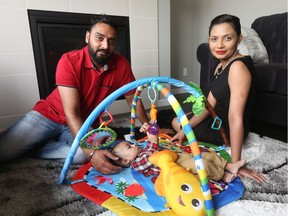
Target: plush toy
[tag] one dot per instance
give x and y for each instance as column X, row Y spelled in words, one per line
column 181, row 188
column 154, row 128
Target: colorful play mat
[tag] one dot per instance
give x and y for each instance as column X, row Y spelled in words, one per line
column 176, row 191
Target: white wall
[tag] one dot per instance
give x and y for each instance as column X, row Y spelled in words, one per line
column 150, row 49
column 190, row 20
column 18, row 82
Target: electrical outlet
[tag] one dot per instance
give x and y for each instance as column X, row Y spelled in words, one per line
column 185, row 72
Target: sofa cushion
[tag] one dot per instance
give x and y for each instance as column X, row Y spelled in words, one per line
column 271, row 78
column 273, row 33
column 252, row 45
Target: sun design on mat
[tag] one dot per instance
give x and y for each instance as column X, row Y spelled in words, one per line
column 134, row 190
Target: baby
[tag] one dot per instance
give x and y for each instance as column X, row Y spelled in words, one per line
column 133, row 156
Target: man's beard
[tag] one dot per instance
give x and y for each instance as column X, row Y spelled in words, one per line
column 101, row 60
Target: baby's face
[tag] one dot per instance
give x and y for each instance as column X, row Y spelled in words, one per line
column 127, row 151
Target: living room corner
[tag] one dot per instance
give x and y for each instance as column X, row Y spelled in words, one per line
column 167, row 38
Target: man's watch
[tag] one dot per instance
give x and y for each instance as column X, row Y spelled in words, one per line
column 91, row 154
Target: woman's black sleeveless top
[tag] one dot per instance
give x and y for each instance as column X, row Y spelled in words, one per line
column 221, row 92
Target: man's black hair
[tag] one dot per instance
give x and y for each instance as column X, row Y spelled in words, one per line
column 103, row 18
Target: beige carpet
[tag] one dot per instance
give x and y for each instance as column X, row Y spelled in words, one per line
column 29, row 186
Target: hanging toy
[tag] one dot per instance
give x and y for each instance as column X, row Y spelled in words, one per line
column 154, row 128
column 199, row 104
column 95, row 135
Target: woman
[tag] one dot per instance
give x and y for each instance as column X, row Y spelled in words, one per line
column 230, row 93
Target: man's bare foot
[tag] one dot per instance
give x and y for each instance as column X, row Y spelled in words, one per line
column 228, row 177
column 234, row 167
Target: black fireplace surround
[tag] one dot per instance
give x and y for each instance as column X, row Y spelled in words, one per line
column 54, row 33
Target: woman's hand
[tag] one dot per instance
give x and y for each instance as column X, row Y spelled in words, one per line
column 101, row 164
column 246, row 172
column 179, row 137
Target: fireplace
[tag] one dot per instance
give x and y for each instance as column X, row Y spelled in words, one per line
column 54, row 33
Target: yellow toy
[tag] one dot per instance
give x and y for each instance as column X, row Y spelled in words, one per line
column 181, row 188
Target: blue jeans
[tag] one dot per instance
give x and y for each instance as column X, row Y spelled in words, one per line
column 40, row 137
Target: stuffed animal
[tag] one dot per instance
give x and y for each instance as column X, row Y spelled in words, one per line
column 181, row 188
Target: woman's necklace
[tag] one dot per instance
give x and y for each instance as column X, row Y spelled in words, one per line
column 220, row 69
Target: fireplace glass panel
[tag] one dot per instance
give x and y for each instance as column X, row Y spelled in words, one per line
column 54, row 33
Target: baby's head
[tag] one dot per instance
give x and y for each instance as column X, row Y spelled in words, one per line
column 126, row 152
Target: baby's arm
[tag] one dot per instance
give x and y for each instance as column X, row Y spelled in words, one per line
column 145, row 129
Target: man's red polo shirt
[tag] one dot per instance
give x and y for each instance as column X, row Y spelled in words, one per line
column 75, row 70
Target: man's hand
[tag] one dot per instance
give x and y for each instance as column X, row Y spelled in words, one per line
column 246, row 172
column 101, row 164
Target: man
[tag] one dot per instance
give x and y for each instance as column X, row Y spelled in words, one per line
column 84, row 78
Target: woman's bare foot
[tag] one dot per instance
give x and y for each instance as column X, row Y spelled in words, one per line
column 234, row 167
column 228, row 177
